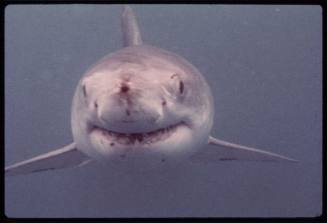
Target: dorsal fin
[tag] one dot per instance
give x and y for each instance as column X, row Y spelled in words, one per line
column 130, row 29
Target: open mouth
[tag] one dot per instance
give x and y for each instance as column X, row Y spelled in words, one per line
column 137, row 138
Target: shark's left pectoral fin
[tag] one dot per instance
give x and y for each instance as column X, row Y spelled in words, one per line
column 68, row 156
column 226, row 151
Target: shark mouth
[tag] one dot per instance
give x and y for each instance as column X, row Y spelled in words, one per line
column 137, row 138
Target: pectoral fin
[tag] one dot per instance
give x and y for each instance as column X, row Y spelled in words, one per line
column 68, row 156
column 227, row 151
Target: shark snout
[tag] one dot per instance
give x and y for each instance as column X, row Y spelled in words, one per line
column 129, row 105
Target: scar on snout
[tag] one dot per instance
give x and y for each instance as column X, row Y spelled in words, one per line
column 124, row 88
column 95, row 104
column 112, row 144
column 128, row 113
column 164, row 103
column 174, row 75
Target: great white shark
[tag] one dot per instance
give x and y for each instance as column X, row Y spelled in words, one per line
column 144, row 107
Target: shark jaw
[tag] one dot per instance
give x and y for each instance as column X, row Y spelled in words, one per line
column 136, row 138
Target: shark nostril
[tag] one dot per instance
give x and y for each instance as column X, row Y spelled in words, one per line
column 128, row 113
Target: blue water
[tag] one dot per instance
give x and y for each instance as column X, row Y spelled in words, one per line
column 263, row 64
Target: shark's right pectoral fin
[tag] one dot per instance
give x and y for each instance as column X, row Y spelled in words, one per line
column 68, row 156
column 227, row 151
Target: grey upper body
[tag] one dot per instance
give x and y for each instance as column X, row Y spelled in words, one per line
column 141, row 106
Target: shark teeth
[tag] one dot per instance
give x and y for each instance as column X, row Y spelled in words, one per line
column 138, row 138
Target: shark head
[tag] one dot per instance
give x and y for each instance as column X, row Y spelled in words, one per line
column 142, row 104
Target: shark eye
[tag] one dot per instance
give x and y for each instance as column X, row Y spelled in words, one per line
column 181, row 87
column 178, row 83
column 84, row 91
